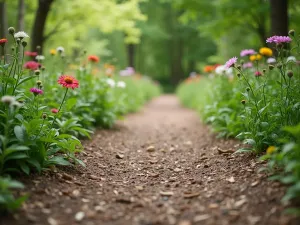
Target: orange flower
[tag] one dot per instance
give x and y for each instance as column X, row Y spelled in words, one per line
column 266, row 51
column 3, row 41
column 68, row 81
column 209, row 69
column 93, row 58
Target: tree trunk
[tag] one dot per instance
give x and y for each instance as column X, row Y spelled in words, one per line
column 130, row 54
column 21, row 13
column 3, row 20
column 177, row 50
column 279, row 17
column 40, row 23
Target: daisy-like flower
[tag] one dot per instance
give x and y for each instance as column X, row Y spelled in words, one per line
column 291, row 59
column 246, row 52
column 31, row 54
column 54, row 110
column 279, row 39
column 271, row 60
column 266, row 51
column 255, row 57
column 52, row 52
column 3, row 41
column 93, row 58
column 121, row 84
column 31, row 65
column 247, row 65
column 60, row 49
column 40, row 57
column 230, row 62
column 21, row 35
column 7, row 99
column 36, row 91
column 68, row 81
column 258, row 74
column 111, row 82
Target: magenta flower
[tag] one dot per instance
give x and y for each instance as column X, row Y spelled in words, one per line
column 279, row 39
column 31, row 65
column 230, row 62
column 54, row 110
column 247, row 65
column 246, row 52
column 258, row 74
column 36, row 91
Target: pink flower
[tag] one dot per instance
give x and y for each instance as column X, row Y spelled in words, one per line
column 246, row 52
column 230, row 62
column 31, row 65
column 36, row 91
column 279, row 39
column 68, row 81
column 258, row 74
column 247, row 65
column 54, row 111
column 31, row 54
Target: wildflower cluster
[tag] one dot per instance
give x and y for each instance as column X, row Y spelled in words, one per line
column 46, row 106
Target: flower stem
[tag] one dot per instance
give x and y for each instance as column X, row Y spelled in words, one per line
column 62, row 102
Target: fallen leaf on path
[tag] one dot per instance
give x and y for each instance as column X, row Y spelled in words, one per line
column 191, row 195
column 254, row 183
column 239, row 203
column 221, row 151
column 231, row 179
column 67, row 176
column 213, row 206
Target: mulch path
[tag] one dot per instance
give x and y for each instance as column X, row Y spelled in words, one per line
column 160, row 166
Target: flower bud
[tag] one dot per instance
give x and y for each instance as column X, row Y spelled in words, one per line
column 39, row 83
column 264, row 70
column 279, row 65
column 248, row 89
column 44, row 116
column 292, row 33
column 271, row 67
column 24, row 44
column 37, row 72
column 290, row 73
column 41, row 86
column 243, row 102
column 18, row 41
column 238, row 74
column 239, row 67
column 242, row 62
column 11, row 30
column 43, row 68
column 12, row 49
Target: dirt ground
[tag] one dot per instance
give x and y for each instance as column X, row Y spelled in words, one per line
column 160, row 166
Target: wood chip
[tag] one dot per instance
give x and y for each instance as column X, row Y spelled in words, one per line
column 67, row 176
column 200, row 218
column 150, row 149
column 221, row 151
column 79, row 216
column 166, row 193
column 191, row 195
column 231, row 179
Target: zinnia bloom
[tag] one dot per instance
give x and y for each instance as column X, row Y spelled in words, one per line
column 93, row 58
column 54, row 111
column 266, row 51
column 247, row 52
column 231, row 62
column 31, row 65
column 31, row 54
column 255, row 57
column 3, row 41
column 21, row 35
column 258, row 74
column 36, row 91
column 279, row 39
column 68, row 81
column 209, row 69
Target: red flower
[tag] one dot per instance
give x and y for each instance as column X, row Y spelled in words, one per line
column 31, row 54
column 3, row 41
column 258, row 74
column 31, row 65
column 93, row 58
column 68, row 81
column 54, row 111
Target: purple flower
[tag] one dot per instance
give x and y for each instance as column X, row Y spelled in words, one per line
column 271, row 60
column 258, row 74
column 230, row 62
column 279, row 39
column 127, row 72
column 247, row 65
column 36, row 91
column 246, row 52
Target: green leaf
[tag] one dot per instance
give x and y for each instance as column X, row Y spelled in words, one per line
column 58, row 160
column 20, row 133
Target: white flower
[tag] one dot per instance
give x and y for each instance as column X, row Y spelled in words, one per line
column 193, row 74
column 220, row 70
column 16, row 104
column 60, row 49
column 40, row 57
column 291, row 59
column 271, row 60
column 121, row 84
column 7, row 99
column 21, row 34
column 111, row 82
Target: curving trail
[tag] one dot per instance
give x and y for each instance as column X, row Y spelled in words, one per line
column 158, row 167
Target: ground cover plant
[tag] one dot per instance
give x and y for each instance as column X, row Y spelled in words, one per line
column 47, row 105
column 256, row 99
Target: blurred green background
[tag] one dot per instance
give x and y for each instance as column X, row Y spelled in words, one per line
column 164, row 39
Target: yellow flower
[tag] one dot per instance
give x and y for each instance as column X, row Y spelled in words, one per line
column 53, row 52
column 271, row 149
column 255, row 57
column 266, row 51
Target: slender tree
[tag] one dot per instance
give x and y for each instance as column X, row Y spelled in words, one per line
column 130, row 54
column 279, row 17
column 3, row 19
column 21, row 13
column 39, row 25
